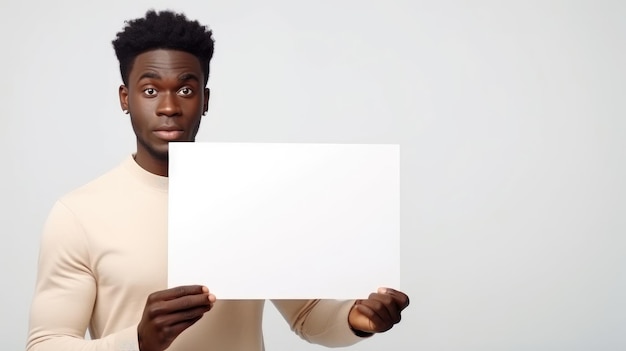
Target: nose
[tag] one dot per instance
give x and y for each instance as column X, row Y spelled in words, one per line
column 169, row 105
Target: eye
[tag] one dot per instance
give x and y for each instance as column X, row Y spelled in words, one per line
column 150, row 91
column 186, row 91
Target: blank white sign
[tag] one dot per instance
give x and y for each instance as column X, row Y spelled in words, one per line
column 284, row 221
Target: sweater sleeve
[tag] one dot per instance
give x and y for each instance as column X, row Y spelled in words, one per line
column 323, row 322
column 65, row 292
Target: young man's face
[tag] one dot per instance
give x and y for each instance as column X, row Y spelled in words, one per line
column 166, row 98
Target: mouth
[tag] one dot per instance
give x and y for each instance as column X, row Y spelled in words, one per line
column 168, row 135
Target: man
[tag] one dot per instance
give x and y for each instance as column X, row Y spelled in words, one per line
column 103, row 259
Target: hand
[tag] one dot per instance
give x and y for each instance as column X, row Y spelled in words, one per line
column 378, row 313
column 169, row 312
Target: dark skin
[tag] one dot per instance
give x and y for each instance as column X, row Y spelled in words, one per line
column 166, row 99
column 169, row 312
column 379, row 312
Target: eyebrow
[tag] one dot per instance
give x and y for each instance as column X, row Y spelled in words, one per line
column 188, row 76
column 150, row 75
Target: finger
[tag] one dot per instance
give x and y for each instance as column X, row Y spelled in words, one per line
column 384, row 306
column 212, row 298
column 401, row 298
column 171, row 332
column 168, row 320
column 374, row 324
column 157, row 308
column 177, row 292
column 180, row 327
column 392, row 307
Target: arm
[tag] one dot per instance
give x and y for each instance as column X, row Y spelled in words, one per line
column 65, row 292
column 342, row 323
column 323, row 322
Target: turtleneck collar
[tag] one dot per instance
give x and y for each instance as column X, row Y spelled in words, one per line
column 150, row 179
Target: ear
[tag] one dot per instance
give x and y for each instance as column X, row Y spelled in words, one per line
column 207, row 93
column 123, row 94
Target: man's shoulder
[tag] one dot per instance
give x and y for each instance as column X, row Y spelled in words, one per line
column 103, row 186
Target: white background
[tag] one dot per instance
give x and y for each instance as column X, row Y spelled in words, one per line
column 510, row 117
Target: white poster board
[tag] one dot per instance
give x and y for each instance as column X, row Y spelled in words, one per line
column 284, row 221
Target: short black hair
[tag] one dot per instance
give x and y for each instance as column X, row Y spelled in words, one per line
column 163, row 30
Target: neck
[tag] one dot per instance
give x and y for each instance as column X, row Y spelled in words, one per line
column 152, row 165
